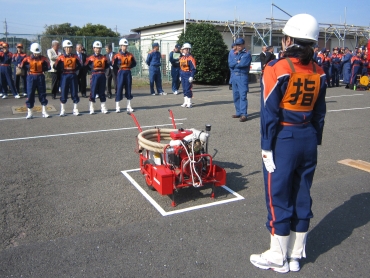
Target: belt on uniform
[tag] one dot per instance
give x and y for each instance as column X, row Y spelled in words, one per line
column 240, row 73
column 5, row 65
column 124, row 68
column 35, row 73
column 68, row 72
column 98, row 72
column 294, row 124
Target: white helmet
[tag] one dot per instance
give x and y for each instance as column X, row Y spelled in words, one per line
column 123, row 41
column 97, row 44
column 35, row 48
column 67, row 43
column 186, row 45
column 303, row 27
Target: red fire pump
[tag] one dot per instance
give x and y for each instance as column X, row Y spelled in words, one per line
column 182, row 161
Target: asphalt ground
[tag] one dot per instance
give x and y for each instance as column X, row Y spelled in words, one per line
column 67, row 210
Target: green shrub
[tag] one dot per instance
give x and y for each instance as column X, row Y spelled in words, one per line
column 209, row 50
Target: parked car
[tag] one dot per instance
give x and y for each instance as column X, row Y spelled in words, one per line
column 256, row 63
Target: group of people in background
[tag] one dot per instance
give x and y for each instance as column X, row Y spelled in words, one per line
column 69, row 70
column 343, row 64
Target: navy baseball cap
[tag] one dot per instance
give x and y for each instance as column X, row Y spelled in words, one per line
column 155, row 44
column 178, row 46
column 239, row 41
column 233, row 44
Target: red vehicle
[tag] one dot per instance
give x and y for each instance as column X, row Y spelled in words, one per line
column 181, row 161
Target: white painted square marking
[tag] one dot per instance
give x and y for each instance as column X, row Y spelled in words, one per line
column 166, row 213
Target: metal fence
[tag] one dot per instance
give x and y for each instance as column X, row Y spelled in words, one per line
column 139, row 48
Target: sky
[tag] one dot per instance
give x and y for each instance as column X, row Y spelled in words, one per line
column 31, row 16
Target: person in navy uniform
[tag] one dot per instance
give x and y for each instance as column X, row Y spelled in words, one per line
column 188, row 69
column 335, row 67
column 240, row 65
column 154, row 62
column 175, row 68
column 97, row 63
column 6, row 72
column 356, row 68
column 17, row 60
column 123, row 62
column 68, row 64
column 293, row 110
column 36, row 65
column 346, row 67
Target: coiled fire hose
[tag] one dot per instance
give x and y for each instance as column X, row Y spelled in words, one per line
column 147, row 139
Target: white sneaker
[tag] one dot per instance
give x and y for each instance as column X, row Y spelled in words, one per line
column 104, row 110
column 17, row 96
column 175, row 92
column 118, row 110
column 164, row 93
column 24, row 94
column 294, row 264
column 129, row 109
column 1, row 94
column 5, row 96
column 62, row 113
column 152, row 94
column 75, row 112
column 260, row 262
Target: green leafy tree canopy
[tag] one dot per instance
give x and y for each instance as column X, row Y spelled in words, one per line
column 61, row 29
column 96, row 30
column 209, row 50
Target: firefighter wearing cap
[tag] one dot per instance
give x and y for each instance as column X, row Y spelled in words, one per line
column 292, row 120
column 188, row 69
column 154, row 62
column 36, row 65
column 97, row 63
column 68, row 64
column 356, row 68
column 17, row 60
column 175, row 68
column 6, row 72
column 346, row 67
column 124, row 61
column 335, row 67
column 240, row 65
column 324, row 61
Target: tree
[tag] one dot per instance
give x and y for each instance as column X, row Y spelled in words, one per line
column 96, row 30
column 61, row 29
column 209, row 50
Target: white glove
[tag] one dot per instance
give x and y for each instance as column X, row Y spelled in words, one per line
column 268, row 161
column 190, row 79
column 180, row 78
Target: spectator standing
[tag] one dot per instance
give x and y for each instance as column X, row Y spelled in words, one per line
column 240, row 65
column 53, row 54
column 110, row 72
column 19, row 74
column 6, row 72
column 263, row 57
column 175, row 68
column 81, row 76
column 346, row 67
column 154, row 62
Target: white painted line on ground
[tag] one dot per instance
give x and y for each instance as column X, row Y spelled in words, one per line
column 346, row 95
column 349, row 109
column 183, row 119
column 82, row 132
column 165, row 213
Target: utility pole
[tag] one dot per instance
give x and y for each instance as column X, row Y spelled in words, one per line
column 6, row 30
column 184, row 16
